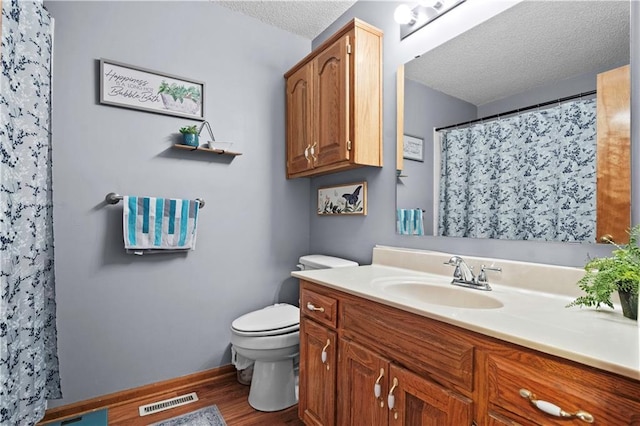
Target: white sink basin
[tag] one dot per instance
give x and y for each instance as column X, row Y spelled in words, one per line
column 439, row 294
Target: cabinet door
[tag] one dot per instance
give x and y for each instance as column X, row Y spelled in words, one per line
column 299, row 120
column 614, row 152
column 317, row 390
column 331, row 94
column 359, row 370
column 420, row 402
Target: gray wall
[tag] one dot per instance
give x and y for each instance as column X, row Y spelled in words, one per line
column 425, row 109
column 569, row 87
column 123, row 320
column 354, row 237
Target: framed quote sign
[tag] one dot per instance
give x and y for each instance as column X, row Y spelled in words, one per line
column 139, row 88
column 413, row 148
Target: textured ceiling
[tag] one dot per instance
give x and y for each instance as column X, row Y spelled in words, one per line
column 303, row 17
column 529, row 45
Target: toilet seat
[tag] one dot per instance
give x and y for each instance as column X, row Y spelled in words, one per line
column 273, row 320
column 276, row 332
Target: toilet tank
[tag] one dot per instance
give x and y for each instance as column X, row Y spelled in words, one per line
column 320, row 261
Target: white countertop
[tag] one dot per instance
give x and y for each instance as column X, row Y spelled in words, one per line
column 538, row 320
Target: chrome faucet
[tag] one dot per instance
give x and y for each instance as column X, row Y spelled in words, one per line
column 463, row 274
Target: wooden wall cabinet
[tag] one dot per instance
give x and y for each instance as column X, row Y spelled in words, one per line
column 334, row 104
column 613, row 195
column 437, row 374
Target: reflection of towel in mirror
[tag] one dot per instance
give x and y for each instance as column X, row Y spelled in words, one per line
column 410, row 222
column 159, row 225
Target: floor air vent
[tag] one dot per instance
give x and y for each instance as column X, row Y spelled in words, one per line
column 156, row 407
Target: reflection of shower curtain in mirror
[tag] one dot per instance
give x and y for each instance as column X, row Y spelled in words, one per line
column 531, row 176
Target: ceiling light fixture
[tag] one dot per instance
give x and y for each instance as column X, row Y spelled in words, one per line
column 412, row 19
column 403, row 15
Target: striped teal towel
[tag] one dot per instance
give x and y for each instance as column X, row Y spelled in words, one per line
column 409, row 222
column 153, row 225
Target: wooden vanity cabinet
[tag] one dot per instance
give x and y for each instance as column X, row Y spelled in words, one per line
column 334, row 104
column 445, row 375
column 364, row 361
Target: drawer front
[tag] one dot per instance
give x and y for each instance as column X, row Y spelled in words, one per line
column 422, row 345
column 322, row 308
column 609, row 399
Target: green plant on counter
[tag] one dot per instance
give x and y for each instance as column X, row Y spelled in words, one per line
column 189, row 130
column 620, row 272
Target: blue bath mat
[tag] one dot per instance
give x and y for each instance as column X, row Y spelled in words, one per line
column 96, row 418
column 207, row 416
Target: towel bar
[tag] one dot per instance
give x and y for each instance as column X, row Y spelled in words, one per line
column 113, row 198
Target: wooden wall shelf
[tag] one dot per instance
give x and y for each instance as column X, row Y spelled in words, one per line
column 200, row 148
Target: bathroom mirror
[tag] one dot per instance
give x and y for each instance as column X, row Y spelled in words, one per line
column 532, row 54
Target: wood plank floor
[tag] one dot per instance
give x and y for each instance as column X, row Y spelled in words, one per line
column 226, row 393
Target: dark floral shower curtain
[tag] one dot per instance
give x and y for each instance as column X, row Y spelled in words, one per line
column 530, row 176
column 28, row 343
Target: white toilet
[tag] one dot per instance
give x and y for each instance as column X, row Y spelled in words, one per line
column 271, row 338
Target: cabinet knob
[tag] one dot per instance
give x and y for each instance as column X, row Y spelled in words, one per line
column 554, row 410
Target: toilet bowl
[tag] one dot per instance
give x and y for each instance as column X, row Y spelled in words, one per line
column 270, row 337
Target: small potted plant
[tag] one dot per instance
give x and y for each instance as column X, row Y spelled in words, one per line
column 190, row 135
column 620, row 272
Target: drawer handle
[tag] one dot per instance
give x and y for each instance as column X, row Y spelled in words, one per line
column 553, row 409
column 377, row 389
column 323, row 356
column 306, row 153
column 312, row 307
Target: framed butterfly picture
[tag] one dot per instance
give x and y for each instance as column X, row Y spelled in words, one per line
column 343, row 199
